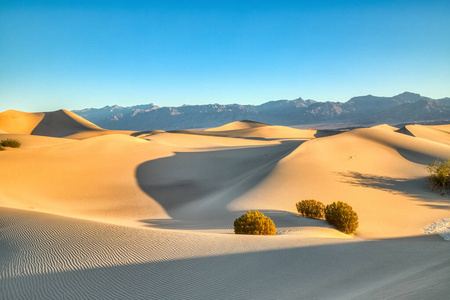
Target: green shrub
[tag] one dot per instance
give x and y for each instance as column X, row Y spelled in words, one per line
column 342, row 216
column 10, row 143
column 311, row 209
column 254, row 222
column 439, row 174
column 2, row 148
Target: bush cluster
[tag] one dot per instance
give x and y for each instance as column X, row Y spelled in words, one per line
column 10, row 143
column 338, row 214
column 439, row 174
column 254, row 222
column 311, row 209
column 342, row 216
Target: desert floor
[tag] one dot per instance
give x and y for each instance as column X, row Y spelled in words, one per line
column 88, row 213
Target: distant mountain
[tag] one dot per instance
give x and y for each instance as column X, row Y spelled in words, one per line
column 362, row 110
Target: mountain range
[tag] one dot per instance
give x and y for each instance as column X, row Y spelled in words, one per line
column 358, row 111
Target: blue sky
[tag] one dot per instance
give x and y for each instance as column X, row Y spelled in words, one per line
column 75, row 54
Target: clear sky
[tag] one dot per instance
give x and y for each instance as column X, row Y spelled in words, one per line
column 75, row 54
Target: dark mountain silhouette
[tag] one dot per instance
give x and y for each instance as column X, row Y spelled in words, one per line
column 362, row 110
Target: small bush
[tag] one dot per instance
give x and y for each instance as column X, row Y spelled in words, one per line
column 10, row 143
column 254, row 222
column 311, row 209
column 439, row 174
column 2, row 148
column 342, row 216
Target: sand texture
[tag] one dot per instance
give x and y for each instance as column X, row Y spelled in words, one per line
column 87, row 213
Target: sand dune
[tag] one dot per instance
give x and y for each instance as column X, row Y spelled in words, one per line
column 149, row 214
column 61, row 123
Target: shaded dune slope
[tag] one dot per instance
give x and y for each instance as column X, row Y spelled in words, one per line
column 63, row 123
column 177, row 181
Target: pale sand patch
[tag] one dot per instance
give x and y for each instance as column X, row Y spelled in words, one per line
column 442, row 228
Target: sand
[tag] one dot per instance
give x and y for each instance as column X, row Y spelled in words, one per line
column 88, row 213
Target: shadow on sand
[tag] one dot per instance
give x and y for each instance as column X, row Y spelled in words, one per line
column 211, row 179
column 225, row 221
column 417, row 188
column 417, row 157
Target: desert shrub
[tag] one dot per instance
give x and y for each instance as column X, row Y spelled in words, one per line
column 254, row 222
column 311, row 209
column 439, row 174
column 342, row 216
column 2, row 148
column 10, row 143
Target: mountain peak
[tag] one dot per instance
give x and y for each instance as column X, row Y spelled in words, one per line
column 409, row 97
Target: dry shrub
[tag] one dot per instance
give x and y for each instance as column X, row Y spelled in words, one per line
column 439, row 174
column 254, row 222
column 311, row 209
column 342, row 216
column 10, row 143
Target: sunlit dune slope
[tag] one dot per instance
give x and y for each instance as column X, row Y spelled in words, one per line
column 34, row 141
column 13, row 121
column 386, row 127
column 91, row 178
